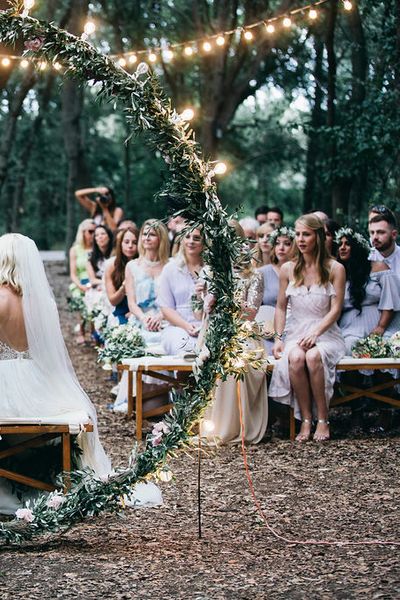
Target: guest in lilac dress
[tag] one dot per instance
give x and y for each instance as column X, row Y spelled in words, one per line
column 372, row 293
column 282, row 243
column 175, row 290
column 305, row 370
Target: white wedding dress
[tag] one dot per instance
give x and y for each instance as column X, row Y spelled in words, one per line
column 38, row 381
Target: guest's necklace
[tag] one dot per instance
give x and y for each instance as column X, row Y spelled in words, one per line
column 150, row 263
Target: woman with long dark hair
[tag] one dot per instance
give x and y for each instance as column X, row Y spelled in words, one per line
column 372, row 295
column 126, row 250
column 103, row 209
column 304, row 373
column 101, row 250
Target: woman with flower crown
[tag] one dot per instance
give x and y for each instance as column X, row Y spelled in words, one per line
column 372, row 293
column 304, row 373
column 281, row 241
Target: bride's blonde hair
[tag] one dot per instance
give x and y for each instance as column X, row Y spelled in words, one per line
column 8, row 263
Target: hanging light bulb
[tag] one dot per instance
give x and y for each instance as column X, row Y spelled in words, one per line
column 248, row 35
column 207, row 47
column 168, row 54
column 29, row 4
column 220, row 41
column 89, row 28
column 122, row 62
column 152, row 57
column 24, row 63
column 132, row 59
column 313, row 14
column 287, row 22
column 187, row 114
column 188, row 50
column 347, row 5
column 57, row 66
column 270, row 28
column 5, row 62
column 42, row 65
column 220, row 168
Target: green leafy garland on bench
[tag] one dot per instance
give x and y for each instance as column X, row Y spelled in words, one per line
column 189, row 191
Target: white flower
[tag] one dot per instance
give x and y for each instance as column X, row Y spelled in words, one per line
column 55, row 501
column 25, row 514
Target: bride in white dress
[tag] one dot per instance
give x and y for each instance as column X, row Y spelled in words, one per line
column 37, row 379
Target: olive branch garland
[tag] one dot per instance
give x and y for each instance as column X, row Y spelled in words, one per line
column 190, row 192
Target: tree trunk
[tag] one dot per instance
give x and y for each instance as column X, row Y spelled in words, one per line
column 71, row 109
column 310, row 195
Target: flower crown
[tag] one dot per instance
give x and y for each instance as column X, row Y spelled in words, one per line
column 281, row 232
column 349, row 233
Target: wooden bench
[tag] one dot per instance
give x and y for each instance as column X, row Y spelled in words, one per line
column 152, row 366
column 346, row 393
column 41, row 433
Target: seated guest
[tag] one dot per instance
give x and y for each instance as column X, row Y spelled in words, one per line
column 260, row 214
column 250, row 227
column 382, row 227
column 331, row 227
column 275, row 216
column 78, row 258
column 126, row 250
column 282, row 242
column 372, row 293
column 101, row 250
column 263, row 248
column 305, row 370
column 224, row 411
column 142, row 276
column 175, row 290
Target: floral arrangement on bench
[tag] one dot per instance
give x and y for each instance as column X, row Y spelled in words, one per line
column 123, row 341
column 375, row 346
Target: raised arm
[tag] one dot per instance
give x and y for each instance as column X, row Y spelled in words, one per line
column 84, row 200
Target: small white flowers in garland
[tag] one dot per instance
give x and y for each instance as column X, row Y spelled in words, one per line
column 376, row 346
column 349, row 233
column 284, row 231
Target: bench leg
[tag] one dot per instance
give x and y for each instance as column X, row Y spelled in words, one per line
column 66, row 452
column 139, row 404
column 130, row 394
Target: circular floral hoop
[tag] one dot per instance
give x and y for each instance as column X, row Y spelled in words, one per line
column 191, row 193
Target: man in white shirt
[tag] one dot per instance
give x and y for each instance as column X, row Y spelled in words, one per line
column 383, row 232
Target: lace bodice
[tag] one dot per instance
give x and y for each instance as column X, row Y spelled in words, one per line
column 8, row 353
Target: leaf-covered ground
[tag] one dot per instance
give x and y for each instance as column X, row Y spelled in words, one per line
column 347, row 489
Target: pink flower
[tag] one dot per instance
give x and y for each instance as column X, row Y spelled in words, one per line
column 34, row 44
column 156, row 441
column 55, row 501
column 25, row 514
column 160, row 427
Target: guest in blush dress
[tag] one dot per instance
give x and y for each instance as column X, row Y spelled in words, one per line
column 282, row 244
column 175, row 291
column 305, row 369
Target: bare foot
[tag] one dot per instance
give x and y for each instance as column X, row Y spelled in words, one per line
column 322, row 433
column 305, row 431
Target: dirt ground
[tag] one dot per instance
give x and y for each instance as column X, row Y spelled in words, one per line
column 347, row 489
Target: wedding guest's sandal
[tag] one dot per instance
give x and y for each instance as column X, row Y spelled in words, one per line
column 322, row 437
column 304, row 437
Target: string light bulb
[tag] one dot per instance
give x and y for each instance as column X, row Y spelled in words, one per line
column 187, row 114
column 287, row 22
column 168, row 54
column 312, row 14
column 207, row 47
column 29, row 4
column 122, row 62
column 24, row 63
column 132, row 59
column 347, row 5
column 270, row 28
column 43, row 65
column 57, row 66
column 89, row 28
column 248, row 35
column 220, row 41
column 5, row 62
column 165, row 474
column 188, row 50
column 220, row 168
column 152, row 57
